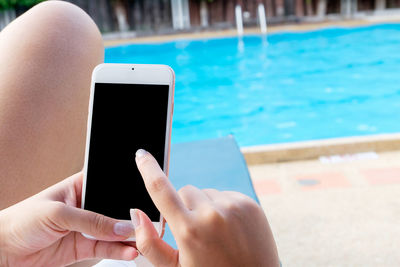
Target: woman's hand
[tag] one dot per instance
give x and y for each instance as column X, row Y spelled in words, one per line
column 45, row 230
column 211, row 228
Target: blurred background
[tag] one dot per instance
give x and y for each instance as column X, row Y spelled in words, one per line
column 163, row 16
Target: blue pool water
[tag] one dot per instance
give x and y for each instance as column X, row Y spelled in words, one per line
column 298, row 86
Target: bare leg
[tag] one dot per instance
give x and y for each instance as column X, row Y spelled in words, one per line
column 47, row 57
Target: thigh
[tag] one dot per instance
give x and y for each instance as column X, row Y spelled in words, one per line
column 47, row 57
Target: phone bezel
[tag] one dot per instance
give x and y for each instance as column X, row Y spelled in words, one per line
column 132, row 74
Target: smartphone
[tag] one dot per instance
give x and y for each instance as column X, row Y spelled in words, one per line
column 130, row 107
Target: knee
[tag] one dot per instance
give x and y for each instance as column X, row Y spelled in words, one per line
column 70, row 27
column 55, row 46
column 64, row 30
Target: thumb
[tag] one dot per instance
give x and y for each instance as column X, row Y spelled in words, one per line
column 96, row 225
column 150, row 244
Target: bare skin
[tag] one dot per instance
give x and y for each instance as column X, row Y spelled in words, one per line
column 45, row 230
column 211, row 228
column 48, row 55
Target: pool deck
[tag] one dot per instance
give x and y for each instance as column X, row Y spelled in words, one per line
column 316, row 148
column 341, row 212
column 298, row 27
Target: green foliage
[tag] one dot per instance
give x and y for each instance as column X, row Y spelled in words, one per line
column 7, row 4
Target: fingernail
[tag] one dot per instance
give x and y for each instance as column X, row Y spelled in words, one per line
column 140, row 153
column 135, row 218
column 123, row 228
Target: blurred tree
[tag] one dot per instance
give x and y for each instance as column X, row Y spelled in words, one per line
column 18, row 5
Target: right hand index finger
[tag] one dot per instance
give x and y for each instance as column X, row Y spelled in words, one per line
column 160, row 189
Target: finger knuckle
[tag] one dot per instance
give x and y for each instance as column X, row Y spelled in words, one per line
column 110, row 251
column 55, row 208
column 211, row 216
column 185, row 190
column 211, row 190
column 241, row 207
column 95, row 252
column 250, row 205
column 189, row 232
column 55, row 211
column 145, row 245
column 181, row 191
column 157, row 184
column 230, row 208
column 99, row 223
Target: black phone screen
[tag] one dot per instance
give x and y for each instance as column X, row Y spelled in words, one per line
column 125, row 117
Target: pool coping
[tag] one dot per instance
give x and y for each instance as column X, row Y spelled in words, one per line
column 126, row 39
column 314, row 149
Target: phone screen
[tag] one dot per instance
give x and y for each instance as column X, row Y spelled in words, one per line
column 125, row 117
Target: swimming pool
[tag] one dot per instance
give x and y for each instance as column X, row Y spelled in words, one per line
column 299, row 86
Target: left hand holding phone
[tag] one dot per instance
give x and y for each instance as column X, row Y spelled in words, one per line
column 45, row 230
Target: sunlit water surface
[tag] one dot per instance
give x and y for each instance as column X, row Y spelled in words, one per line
column 291, row 87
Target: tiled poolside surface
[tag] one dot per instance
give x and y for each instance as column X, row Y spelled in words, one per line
column 333, row 214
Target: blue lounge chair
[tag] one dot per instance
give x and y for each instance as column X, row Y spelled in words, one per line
column 215, row 163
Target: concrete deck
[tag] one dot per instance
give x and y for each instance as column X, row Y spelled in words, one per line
column 333, row 214
column 312, row 149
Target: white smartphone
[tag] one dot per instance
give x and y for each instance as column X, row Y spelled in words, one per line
column 130, row 107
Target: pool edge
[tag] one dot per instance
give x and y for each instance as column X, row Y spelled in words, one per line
column 215, row 34
column 313, row 149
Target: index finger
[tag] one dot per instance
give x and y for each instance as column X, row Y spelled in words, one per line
column 159, row 187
